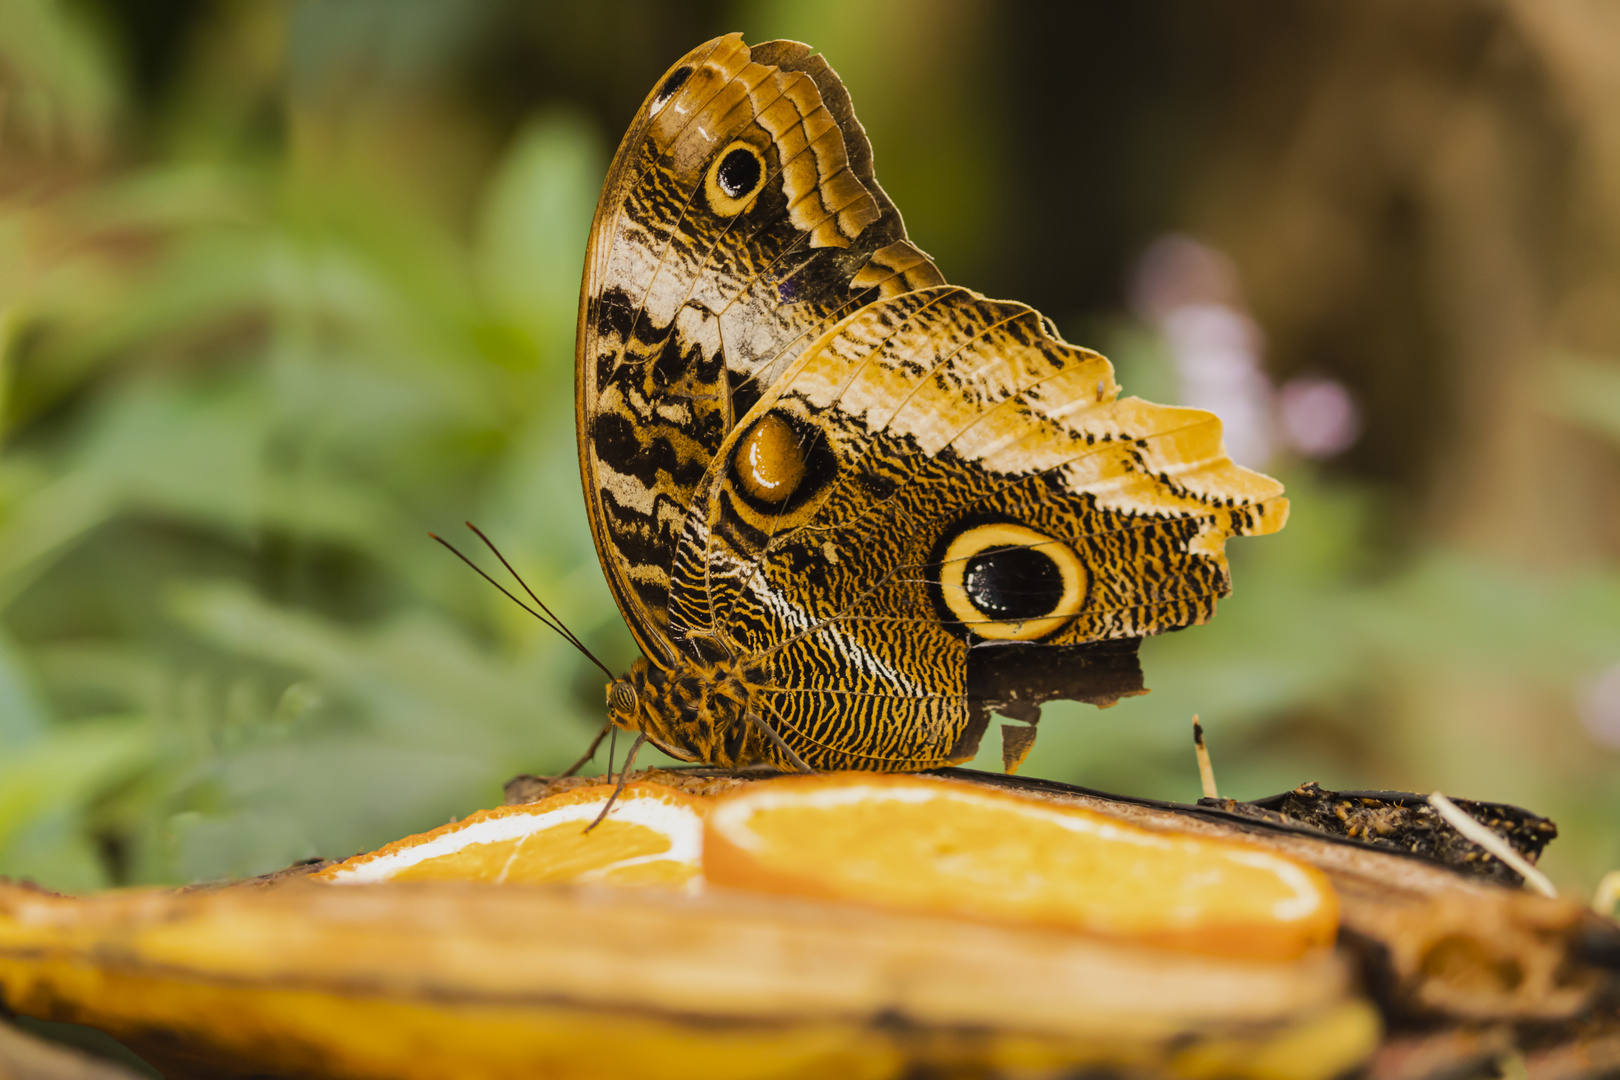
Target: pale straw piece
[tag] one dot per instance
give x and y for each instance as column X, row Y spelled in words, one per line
column 1607, row 895
column 1458, row 819
column 1206, row 771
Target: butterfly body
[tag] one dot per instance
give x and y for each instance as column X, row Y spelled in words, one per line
column 696, row 710
column 848, row 509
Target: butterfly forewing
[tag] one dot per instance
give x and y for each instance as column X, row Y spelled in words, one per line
column 740, row 220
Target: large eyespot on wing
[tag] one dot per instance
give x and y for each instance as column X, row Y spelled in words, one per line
column 768, row 462
column 1002, row 581
column 778, row 465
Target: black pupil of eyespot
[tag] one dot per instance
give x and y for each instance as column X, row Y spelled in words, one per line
column 673, row 83
column 1011, row 584
column 738, row 174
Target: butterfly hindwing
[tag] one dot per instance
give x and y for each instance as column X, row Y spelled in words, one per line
column 740, row 219
column 938, row 481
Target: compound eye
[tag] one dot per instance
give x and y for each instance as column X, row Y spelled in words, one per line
column 621, row 697
column 734, row 179
column 1008, row 582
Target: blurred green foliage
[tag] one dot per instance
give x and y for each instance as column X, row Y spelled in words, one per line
column 249, row 358
column 232, row 644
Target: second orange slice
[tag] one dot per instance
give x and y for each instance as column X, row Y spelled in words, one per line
column 954, row 848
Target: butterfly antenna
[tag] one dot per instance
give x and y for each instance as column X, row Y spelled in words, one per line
column 542, row 604
column 553, row 622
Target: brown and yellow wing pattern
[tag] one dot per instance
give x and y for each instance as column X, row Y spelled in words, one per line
column 939, row 481
column 740, row 219
column 846, row 509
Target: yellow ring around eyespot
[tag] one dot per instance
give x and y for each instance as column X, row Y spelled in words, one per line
column 970, row 542
column 726, row 205
column 768, row 462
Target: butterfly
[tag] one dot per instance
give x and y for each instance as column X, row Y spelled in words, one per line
column 849, row 510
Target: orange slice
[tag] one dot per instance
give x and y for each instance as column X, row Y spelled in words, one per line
column 652, row 836
column 946, row 847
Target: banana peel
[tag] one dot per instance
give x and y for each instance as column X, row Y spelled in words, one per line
column 452, row 979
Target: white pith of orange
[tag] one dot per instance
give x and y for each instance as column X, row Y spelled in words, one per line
column 652, row 836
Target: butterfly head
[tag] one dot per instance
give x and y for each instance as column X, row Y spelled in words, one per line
column 622, row 700
column 629, row 696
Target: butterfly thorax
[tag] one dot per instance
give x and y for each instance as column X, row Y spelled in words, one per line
column 696, row 711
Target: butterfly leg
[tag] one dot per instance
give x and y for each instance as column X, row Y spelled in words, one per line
column 770, row 733
column 624, row 774
column 590, row 753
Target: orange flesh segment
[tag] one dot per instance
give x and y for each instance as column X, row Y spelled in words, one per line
column 652, row 836
column 936, row 846
column 560, row 853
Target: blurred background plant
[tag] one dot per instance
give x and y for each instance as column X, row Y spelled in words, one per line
column 285, row 286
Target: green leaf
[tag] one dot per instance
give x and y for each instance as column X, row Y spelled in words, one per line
column 57, row 776
column 1586, row 392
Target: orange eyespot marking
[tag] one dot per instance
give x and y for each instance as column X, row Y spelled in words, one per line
column 769, row 463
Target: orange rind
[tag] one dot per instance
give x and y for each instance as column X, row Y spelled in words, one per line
column 652, row 836
column 942, row 847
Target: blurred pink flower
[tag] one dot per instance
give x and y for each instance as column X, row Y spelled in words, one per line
column 1317, row 415
column 1191, row 292
column 1599, row 707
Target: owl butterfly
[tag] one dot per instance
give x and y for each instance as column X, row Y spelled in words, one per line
column 847, row 509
